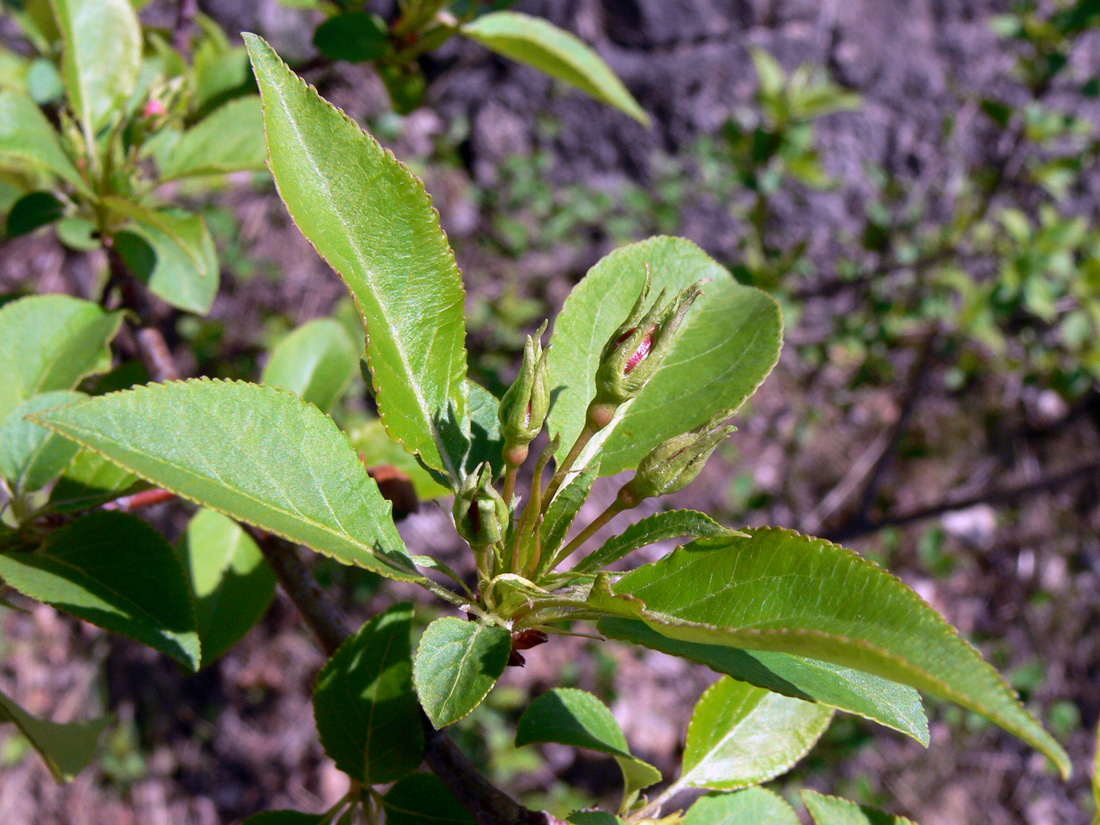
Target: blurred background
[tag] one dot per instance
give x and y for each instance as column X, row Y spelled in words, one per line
column 916, row 182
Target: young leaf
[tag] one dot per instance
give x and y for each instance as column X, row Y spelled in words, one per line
column 316, row 362
column 486, row 442
column 556, row 52
column 423, row 799
column 853, row 691
column 26, row 136
column 172, row 252
column 32, row 456
column 778, row 590
column 372, row 220
column 33, row 211
column 365, row 705
column 257, row 454
column 578, row 719
column 737, row 328
column 102, row 56
column 230, row 139
column 115, row 571
column 457, row 664
column 231, row 584
column 831, row 810
column 594, row 818
column 742, row 735
column 51, row 342
column 377, row 449
column 67, row 748
column 286, row 818
column 755, row 806
column 89, row 481
column 355, row 36
column 563, row 510
column 670, row 524
column 1096, row 780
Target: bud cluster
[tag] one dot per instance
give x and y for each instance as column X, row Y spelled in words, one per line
column 674, row 464
column 525, row 405
column 634, row 352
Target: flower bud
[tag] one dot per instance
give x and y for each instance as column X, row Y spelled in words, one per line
column 480, row 514
column 637, row 348
column 526, row 403
column 673, row 465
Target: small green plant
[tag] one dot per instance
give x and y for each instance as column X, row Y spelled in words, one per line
column 652, row 353
column 122, row 115
column 393, row 48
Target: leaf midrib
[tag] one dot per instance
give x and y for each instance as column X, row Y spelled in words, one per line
column 334, row 203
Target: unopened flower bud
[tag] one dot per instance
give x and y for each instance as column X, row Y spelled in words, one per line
column 636, row 349
column 481, row 516
column 673, row 465
column 525, row 405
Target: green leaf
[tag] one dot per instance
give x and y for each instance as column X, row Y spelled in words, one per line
column 737, row 328
column 285, row 818
column 563, row 511
column 51, row 342
column 33, row 211
column 742, row 735
column 577, row 718
column 556, row 52
column 220, row 75
column 230, row 139
column 769, row 73
column 486, row 442
column 171, row 252
column 594, row 818
column 755, row 806
column 423, row 799
column 26, row 136
column 102, row 56
column 67, row 748
column 854, row 691
column 376, row 448
column 372, row 220
column 231, row 584
column 365, row 704
column 1096, row 780
column 257, row 454
column 457, row 664
column 31, row 456
column 316, row 362
column 831, row 810
column 89, row 481
column 670, row 524
column 115, row 571
column 777, row 590
column 355, row 36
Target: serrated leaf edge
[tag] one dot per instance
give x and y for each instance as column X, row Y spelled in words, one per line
column 392, row 572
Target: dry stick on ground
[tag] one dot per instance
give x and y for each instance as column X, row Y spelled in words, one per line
column 485, row 802
column 870, row 468
column 997, row 495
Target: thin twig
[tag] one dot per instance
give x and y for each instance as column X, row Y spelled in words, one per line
column 185, row 25
column 151, row 346
column 484, row 801
column 997, row 495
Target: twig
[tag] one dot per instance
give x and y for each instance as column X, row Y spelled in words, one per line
column 917, row 377
column 185, row 25
column 151, row 346
column 1012, row 492
column 484, row 801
